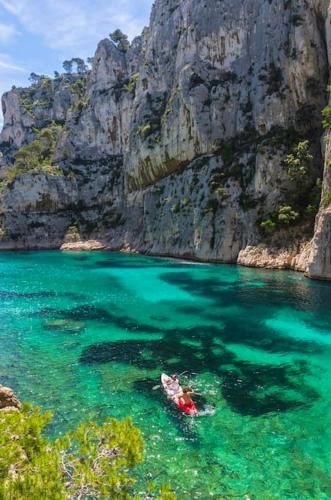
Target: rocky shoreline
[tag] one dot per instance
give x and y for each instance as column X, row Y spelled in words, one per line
column 296, row 259
column 8, row 400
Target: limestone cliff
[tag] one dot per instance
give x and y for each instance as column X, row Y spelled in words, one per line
column 319, row 265
column 178, row 145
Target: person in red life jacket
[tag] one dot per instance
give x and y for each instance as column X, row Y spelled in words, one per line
column 185, row 397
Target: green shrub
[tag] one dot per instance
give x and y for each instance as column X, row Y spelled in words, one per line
column 185, row 201
column 326, row 114
column 46, row 82
column 95, row 461
column 78, row 88
column 286, row 214
column 27, row 104
column 144, row 130
column 37, row 155
column 311, row 210
column 326, row 200
column 132, row 84
column 299, row 163
column 82, row 104
column 73, row 230
column 175, row 208
column 268, row 226
column 222, row 193
column 120, row 40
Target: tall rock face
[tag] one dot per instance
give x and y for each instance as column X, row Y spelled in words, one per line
column 319, row 265
column 178, row 146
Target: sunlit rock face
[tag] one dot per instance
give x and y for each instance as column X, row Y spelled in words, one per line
column 177, row 146
column 319, row 264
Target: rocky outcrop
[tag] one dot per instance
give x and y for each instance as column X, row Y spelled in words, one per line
column 82, row 246
column 177, row 146
column 8, row 400
column 295, row 258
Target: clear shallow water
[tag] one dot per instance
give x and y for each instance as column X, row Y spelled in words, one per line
column 87, row 335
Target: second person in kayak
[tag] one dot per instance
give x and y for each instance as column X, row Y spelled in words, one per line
column 173, row 387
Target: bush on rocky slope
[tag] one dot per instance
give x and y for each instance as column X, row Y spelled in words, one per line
column 92, row 462
column 37, row 155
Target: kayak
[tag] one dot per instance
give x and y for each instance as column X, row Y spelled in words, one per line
column 190, row 409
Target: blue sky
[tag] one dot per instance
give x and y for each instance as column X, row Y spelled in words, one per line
column 38, row 35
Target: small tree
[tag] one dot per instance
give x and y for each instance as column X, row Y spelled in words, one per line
column 268, row 226
column 81, row 67
column 299, row 163
column 35, row 79
column 56, row 74
column 79, row 64
column 120, row 40
column 286, row 214
column 67, row 66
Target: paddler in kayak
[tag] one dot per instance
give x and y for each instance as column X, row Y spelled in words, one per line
column 173, row 387
column 185, row 397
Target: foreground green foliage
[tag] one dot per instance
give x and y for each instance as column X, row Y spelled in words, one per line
column 38, row 155
column 92, row 462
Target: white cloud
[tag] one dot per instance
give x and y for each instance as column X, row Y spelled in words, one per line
column 7, row 32
column 6, row 63
column 9, row 5
column 71, row 25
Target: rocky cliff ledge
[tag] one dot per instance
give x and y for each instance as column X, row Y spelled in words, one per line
column 8, row 400
column 203, row 139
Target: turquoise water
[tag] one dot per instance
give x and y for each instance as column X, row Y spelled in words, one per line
column 87, row 335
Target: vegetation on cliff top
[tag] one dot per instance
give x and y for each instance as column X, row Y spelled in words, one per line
column 95, row 461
